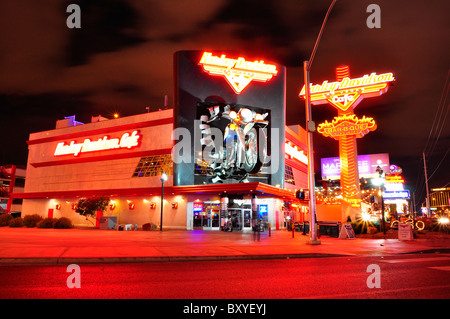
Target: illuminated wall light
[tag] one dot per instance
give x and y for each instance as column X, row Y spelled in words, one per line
column 152, row 205
column 179, row 198
column 74, row 206
column 131, row 206
column 58, row 206
column 175, row 205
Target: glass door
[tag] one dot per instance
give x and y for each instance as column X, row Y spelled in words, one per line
column 235, row 216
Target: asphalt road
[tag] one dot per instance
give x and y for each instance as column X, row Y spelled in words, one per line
column 424, row 276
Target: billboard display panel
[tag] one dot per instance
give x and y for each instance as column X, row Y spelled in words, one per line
column 229, row 119
column 367, row 166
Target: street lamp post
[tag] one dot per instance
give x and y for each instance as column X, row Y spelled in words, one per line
column 310, row 128
column 381, row 183
column 163, row 179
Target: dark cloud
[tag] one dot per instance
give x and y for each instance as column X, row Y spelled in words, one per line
column 121, row 60
column 116, row 26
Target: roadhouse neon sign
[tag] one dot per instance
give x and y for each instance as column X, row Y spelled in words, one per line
column 126, row 141
column 347, row 125
column 238, row 72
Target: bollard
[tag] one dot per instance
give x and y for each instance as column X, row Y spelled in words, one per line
column 270, row 231
column 293, row 228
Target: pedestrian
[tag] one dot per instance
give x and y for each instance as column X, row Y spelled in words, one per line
column 256, row 231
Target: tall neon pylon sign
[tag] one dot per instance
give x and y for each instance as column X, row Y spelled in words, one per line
column 345, row 94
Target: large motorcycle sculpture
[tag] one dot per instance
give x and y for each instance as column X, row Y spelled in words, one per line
column 244, row 142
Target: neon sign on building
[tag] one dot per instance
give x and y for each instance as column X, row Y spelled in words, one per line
column 294, row 152
column 345, row 94
column 126, row 141
column 347, row 125
column 349, row 92
column 238, row 72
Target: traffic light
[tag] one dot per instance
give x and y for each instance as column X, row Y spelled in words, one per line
column 302, row 194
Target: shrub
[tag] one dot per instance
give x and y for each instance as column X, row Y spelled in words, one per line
column 149, row 226
column 16, row 222
column 47, row 223
column 89, row 206
column 5, row 219
column 63, row 223
column 31, row 220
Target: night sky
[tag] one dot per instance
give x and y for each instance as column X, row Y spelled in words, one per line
column 121, row 60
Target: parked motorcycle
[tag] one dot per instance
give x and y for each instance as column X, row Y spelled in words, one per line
column 227, row 226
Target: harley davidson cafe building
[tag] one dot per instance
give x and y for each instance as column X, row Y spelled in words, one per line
column 224, row 147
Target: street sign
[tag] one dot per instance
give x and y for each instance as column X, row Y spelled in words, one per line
column 347, row 232
column 405, row 231
column 396, row 194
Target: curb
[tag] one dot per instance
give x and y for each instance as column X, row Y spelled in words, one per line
column 108, row 260
column 429, row 251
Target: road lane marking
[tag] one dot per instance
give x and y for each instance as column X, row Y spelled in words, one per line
column 446, row 268
column 410, row 260
column 382, row 291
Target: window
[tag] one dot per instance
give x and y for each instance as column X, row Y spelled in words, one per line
column 154, row 166
column 289, row 175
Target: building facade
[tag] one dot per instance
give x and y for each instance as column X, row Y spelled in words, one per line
column 123, row 159
column 12, row 180
column 225, row 148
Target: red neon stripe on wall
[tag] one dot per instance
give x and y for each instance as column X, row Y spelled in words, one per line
column 294, row 164
column 78, row 160
column 290, row 138
column 258, row 188
column 101, row 131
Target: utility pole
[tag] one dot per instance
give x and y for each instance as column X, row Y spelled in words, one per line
column 427, row 201
column 310, row 128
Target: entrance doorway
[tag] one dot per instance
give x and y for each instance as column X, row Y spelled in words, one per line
column 240, row 218
column 206, row 216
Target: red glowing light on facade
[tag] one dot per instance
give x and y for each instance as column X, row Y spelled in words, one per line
column 238, row 72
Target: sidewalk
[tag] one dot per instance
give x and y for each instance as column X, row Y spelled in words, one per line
column 66, row 246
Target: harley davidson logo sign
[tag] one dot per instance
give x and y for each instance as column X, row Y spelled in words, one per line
column 349, row 92
column 238, row 72
column 73, row 148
